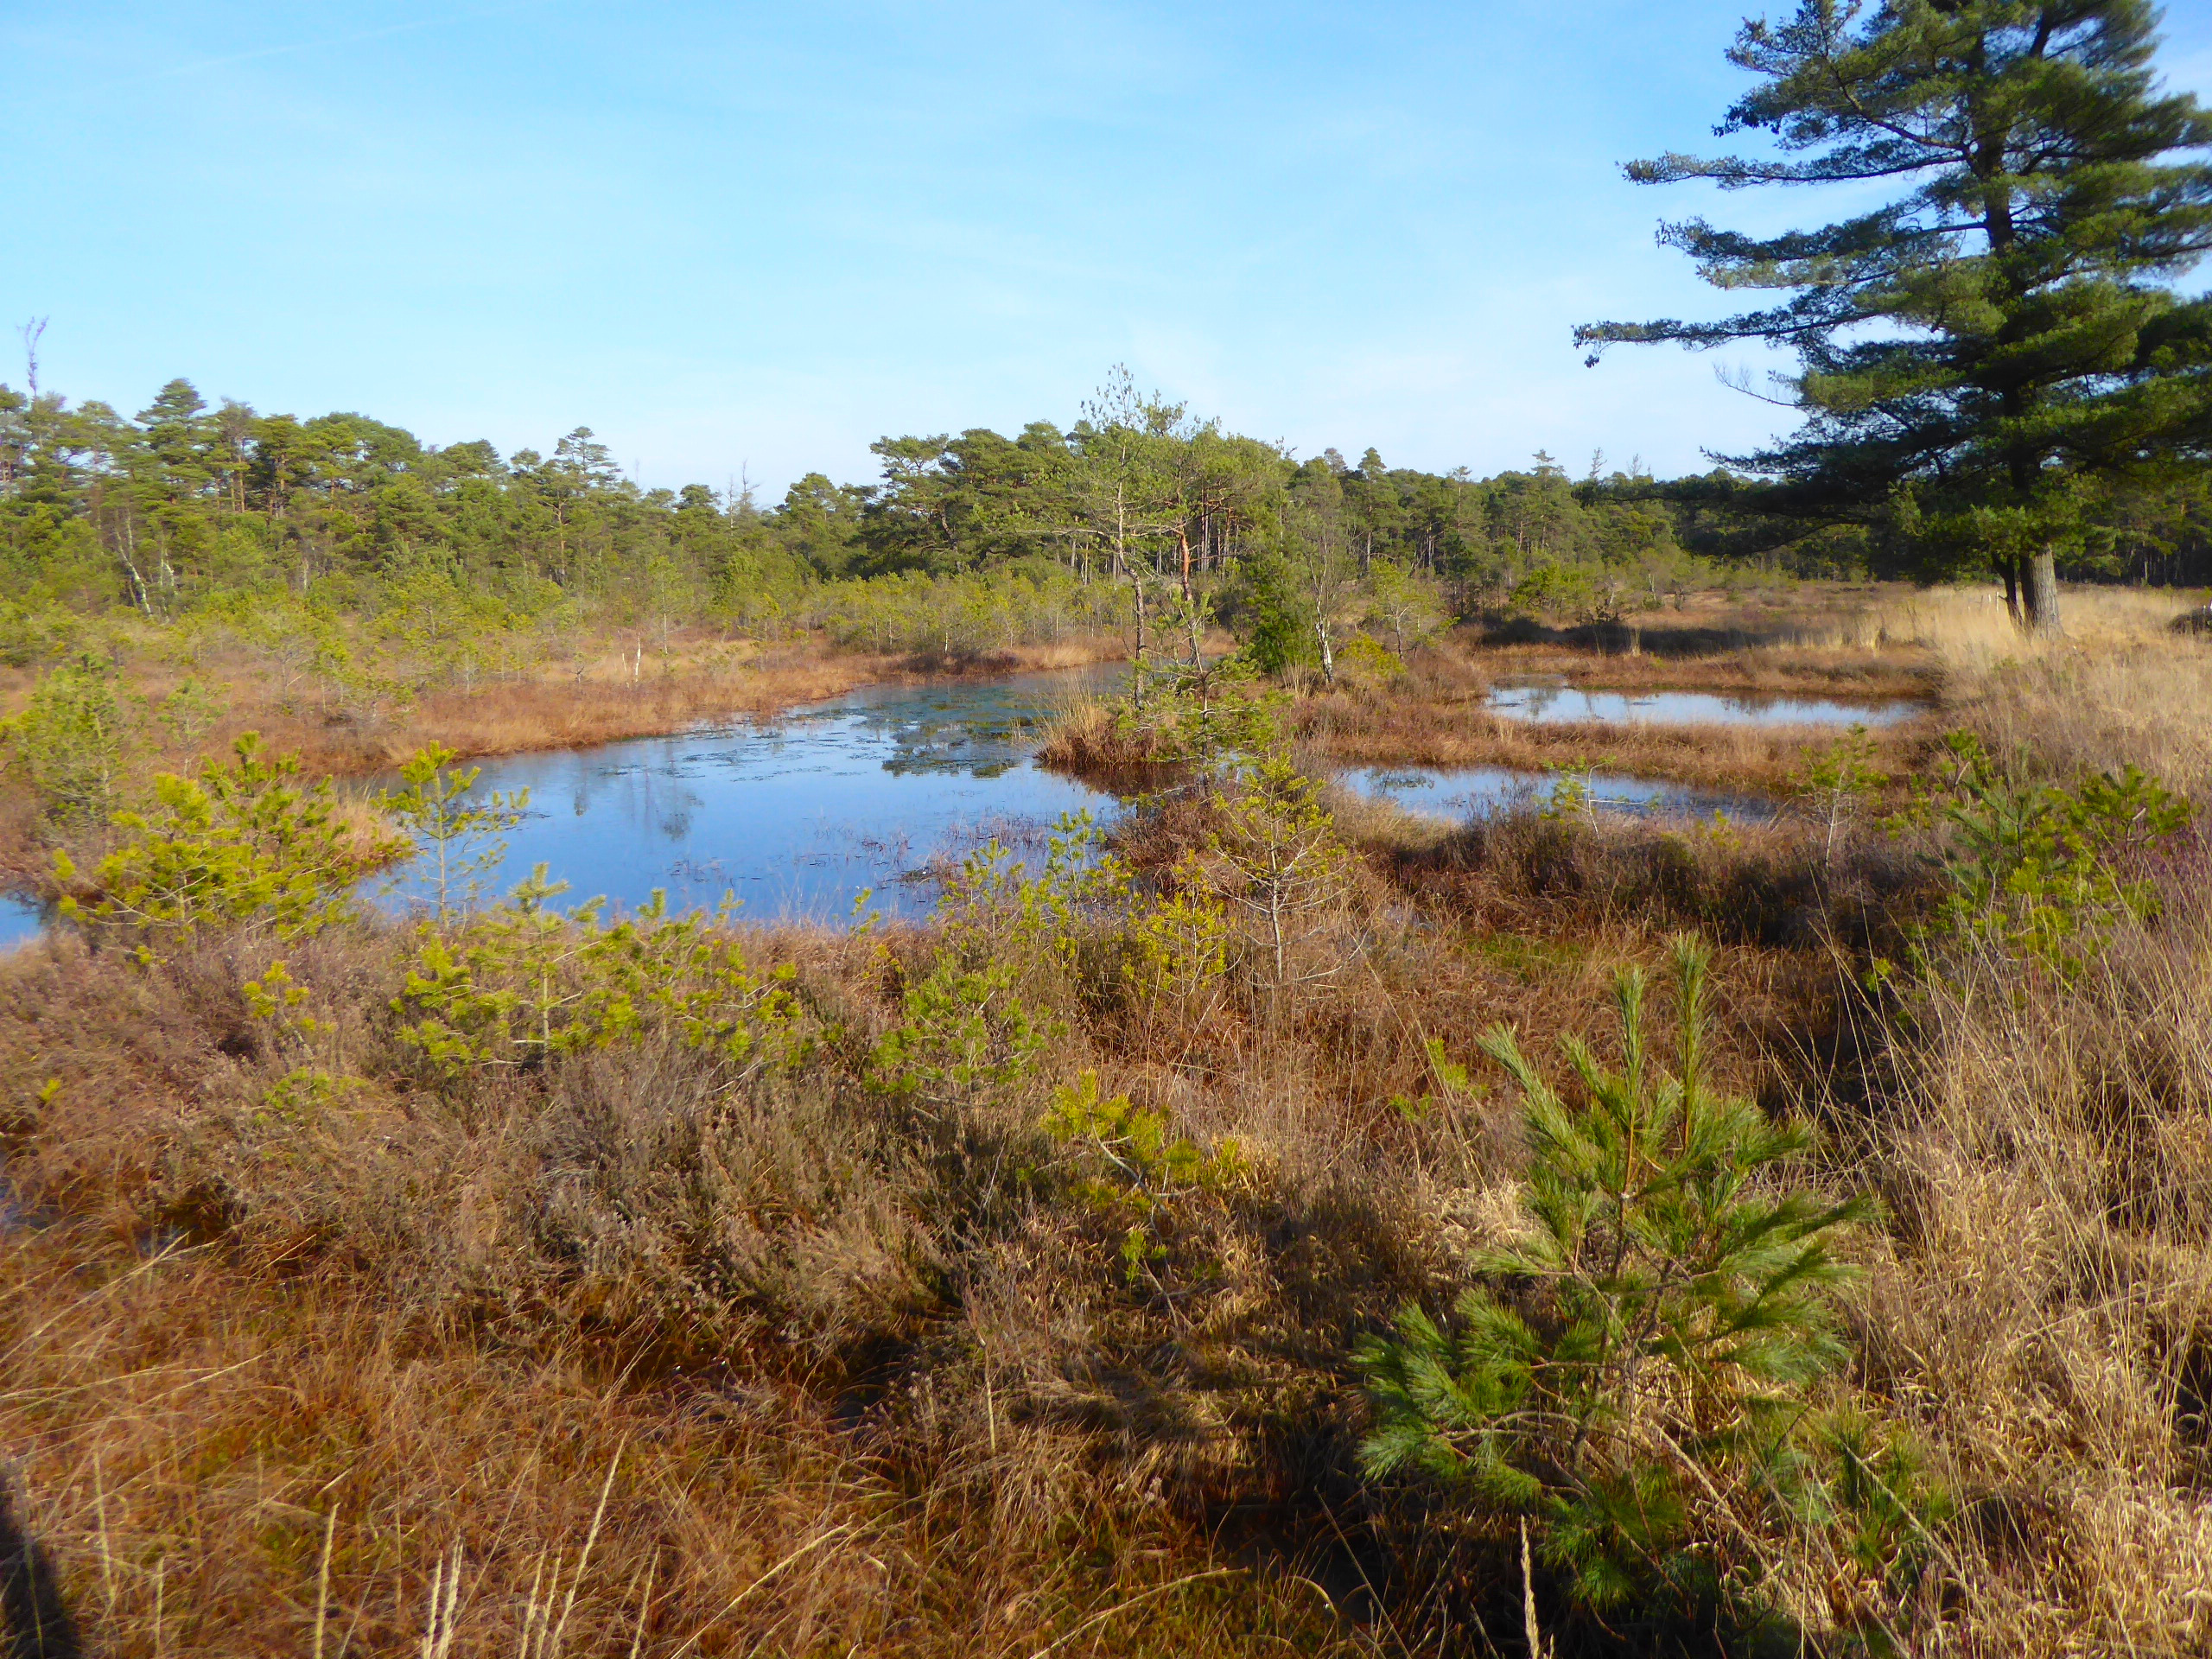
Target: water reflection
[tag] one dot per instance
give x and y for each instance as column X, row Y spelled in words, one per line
column 877, row 791
column 1566, row 705
column 1461, row 792
column 20, row 919
column 797, row 816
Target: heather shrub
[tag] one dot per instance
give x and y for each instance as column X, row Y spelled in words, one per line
column 522, row 983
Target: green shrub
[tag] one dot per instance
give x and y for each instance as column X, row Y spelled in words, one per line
column 1635, row 1377
column 964, row 1038
column 317, row 1078
column 244, row 844
column 522, row 983
column 2042, row 870
column 1176, row 945
column 1279, row 628
column 1211, row 718
column 190, row 712
column 1367, row 659
column 1133, row 1166
column 993, row 909
column 1275, row 857
column 68, row 743
column 1574, row 797
column 30, row 635
column 460, row 837
column 1835, row 784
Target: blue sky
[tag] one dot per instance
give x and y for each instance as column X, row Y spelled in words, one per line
column 756, row 237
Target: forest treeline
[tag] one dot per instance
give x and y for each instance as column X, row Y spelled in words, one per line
column 188, row 509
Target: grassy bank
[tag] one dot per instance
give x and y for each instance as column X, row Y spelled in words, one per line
column 2114, row 683
column 598, row 690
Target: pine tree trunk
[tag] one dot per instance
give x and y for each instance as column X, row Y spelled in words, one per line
column 2010, row 569
column 2042, row 592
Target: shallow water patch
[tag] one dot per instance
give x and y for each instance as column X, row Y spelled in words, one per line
column 22, row 919
column 796, row 818
column 879, row 791
column 1566, row 705
column 1459, row 792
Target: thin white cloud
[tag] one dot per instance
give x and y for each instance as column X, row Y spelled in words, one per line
column 203, row 65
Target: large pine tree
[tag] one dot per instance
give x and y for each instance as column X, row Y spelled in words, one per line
column 1984, row 352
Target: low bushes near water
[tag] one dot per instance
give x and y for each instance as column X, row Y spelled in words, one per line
column 1000, row 1283
column 758, row 1180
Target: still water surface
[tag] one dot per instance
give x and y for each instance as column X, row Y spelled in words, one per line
column 20, row 919
column 1564, row 705
column 873, row 792
column 1459, row 792
column 799, row 817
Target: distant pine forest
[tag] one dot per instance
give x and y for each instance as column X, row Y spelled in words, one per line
column 191, row 511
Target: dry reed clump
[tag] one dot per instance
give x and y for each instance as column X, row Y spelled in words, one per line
column 2044, row 1314
column 1772, row 887
column 1090, row 740
column 2059, row 711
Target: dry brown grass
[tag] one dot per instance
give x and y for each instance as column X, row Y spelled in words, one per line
column 2119, row 686
column 593, row 699
column 191, row 1434
column 800, row 1325
column 854, row 1377
column 841, row 1406
column 1089, row 739
column 2045, row 1313
column 1821, row 639
column 1967, row 624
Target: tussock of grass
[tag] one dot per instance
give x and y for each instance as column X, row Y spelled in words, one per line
column 1089, row 739
column 2046, row 1304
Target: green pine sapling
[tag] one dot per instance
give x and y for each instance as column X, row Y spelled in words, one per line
column 1632, row 1374
column 437, row 811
